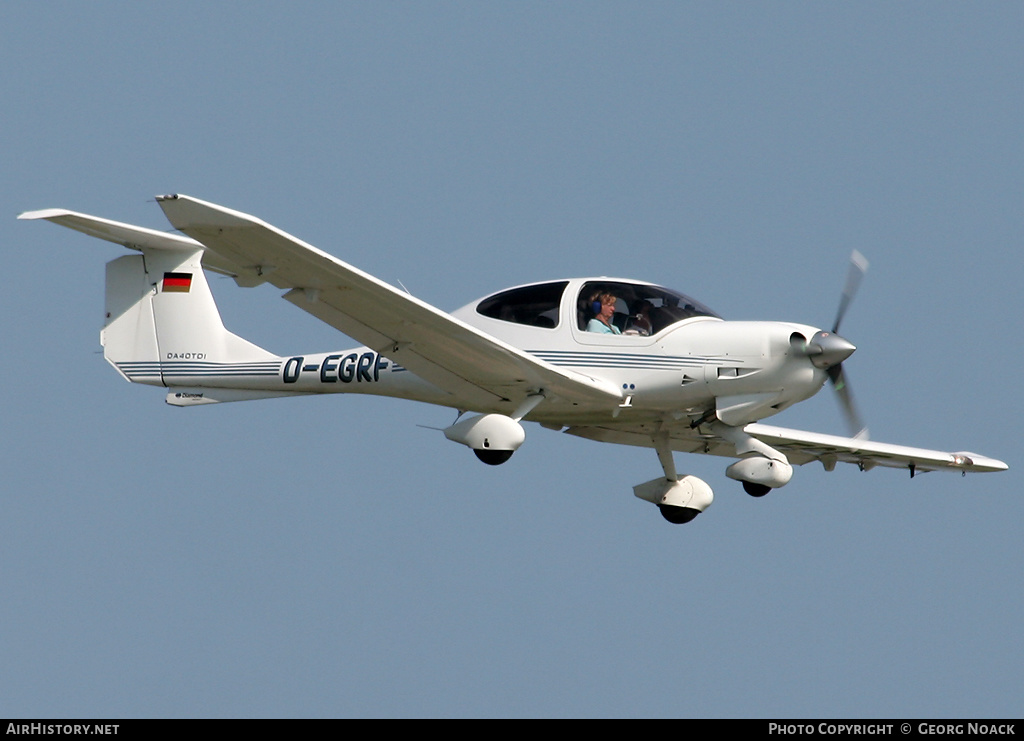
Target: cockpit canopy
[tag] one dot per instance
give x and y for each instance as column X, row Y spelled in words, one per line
column 536, row 305
column 640, row 308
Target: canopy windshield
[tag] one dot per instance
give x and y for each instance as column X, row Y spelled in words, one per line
column 639, row 308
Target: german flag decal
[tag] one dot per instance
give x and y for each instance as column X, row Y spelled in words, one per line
column 177, row 282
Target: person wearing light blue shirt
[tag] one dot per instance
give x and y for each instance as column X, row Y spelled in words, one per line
column 604, row 309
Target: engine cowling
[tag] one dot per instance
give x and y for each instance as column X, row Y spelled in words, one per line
column 493, row 437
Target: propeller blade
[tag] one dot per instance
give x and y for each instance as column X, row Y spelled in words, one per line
column 858, row 266
column 853, row 418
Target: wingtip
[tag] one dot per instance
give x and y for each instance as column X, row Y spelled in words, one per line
column 973, row 461
column 186, row 212
column 45, row 213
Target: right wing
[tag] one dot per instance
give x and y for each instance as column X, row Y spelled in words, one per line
column 802, row 447
column 482, row 372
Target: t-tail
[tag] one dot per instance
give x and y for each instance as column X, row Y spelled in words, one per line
column 162, row 326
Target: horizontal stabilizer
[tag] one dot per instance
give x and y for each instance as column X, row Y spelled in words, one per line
column 130, row 236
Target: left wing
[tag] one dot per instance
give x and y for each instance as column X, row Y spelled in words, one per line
column 482, row 372
column 800, row 447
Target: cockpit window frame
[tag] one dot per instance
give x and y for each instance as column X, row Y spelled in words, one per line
column 538, row 305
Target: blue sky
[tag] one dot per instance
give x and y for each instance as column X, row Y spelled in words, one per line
column 332, row 558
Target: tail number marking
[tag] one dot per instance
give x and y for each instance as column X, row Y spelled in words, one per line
column 353, row 367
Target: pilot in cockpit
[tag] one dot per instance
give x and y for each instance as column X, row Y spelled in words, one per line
column 603, row 306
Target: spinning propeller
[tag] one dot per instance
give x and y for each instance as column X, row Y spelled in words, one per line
column 827, row 350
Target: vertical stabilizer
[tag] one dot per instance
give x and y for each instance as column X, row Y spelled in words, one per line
column 162, row 324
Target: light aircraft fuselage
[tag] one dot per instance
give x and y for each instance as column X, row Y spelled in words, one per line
column 607, row 359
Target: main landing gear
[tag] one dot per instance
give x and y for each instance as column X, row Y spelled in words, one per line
column 756, row 490
column 680, row 499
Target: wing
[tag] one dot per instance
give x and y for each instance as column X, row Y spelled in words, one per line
column 800, row 447
column 482, row 372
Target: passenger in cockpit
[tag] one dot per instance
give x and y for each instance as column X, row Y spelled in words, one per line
column 603, row 306
column 640, row 320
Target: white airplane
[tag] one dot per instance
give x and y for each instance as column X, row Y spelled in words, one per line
column 662, row 372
